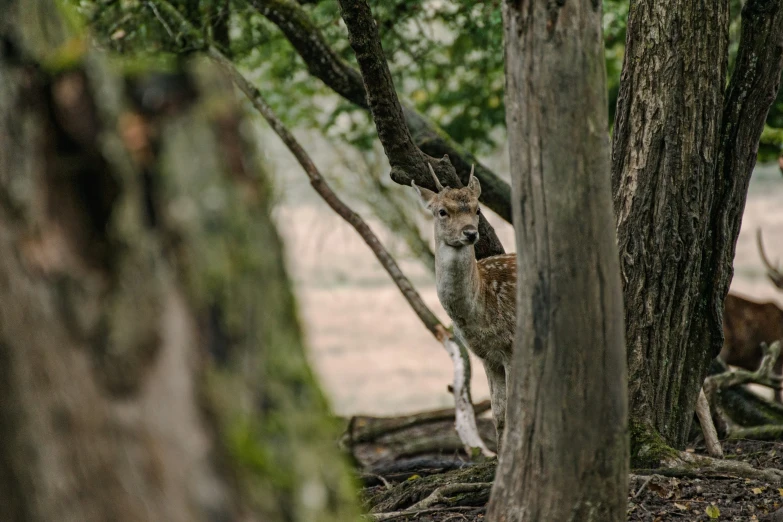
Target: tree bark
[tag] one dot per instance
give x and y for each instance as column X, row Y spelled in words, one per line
column 119, row 275
column 681, row 160
column 564, row 456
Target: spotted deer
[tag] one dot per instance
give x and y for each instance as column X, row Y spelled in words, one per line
column 479, row 296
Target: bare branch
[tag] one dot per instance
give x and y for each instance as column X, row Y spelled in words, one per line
column 773, row 273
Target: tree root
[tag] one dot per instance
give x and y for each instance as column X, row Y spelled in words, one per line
column 699, row 466
column 440, row 495
column 764, row 432
column 399, row 471
column 409, row 513
column 470, row 487
column 412, row 492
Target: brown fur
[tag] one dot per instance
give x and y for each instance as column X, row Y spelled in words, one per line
column 747, row 324
column 479, row 296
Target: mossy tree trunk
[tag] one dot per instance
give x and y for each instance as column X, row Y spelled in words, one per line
column 564, row 454
column 151, row 361
column 683, row 151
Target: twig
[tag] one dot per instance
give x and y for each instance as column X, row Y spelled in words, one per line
column 707, row 426
column 386, row 484
column 441, row 494
column 643, row 486
column 162, row 21
column 465, row 416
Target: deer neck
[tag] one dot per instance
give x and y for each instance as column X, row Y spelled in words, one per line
column 457, row 281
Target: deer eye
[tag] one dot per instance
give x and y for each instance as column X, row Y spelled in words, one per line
column 443, row 213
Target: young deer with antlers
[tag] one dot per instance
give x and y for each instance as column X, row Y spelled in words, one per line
column 479, row 296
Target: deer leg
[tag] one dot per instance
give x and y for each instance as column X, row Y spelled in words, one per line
column 496, row 377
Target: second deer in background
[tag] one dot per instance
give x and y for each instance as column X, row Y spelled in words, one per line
column 748, row 323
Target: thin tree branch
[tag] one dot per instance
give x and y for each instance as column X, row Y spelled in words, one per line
column 464, row 414
column 342, row 78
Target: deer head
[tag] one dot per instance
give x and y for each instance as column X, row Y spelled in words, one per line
column 456, row 211
column 773, row 272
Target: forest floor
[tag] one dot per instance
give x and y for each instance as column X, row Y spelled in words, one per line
column 401, row 466
column 725, row 498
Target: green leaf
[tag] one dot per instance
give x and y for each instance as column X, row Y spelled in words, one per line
column 712, row 511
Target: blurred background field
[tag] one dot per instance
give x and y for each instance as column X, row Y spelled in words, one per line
column 371, row 352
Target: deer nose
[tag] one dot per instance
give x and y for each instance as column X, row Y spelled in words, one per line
column 470, row 234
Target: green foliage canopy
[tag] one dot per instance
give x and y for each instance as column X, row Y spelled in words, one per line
column 446, row 59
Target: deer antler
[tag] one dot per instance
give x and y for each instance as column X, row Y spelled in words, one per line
column 437, row 181
column 774, row 273
column 472, row 168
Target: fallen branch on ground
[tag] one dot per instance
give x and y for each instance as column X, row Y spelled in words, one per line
column 367, row 429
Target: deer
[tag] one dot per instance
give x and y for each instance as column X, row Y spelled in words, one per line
column 479, row 296
column 748, row 323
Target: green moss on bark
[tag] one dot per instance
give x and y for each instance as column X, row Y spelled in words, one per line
column 273, row 418
column 648, row 447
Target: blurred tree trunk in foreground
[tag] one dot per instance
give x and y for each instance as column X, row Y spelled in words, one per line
column 151, row 362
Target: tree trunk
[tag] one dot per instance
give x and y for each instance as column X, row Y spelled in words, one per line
column 119, row 274
column 681, row 160
column 564, row 455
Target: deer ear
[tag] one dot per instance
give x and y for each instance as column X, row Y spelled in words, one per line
column 474, row 186
column 425, row 195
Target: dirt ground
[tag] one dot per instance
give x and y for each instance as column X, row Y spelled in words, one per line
column 726, row 498
column 656, row 498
